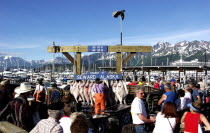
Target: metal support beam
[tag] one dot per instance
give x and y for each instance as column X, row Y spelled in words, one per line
column 149, row 78
column 128, row 57
column 196, row 76
column 119, row 63
column 78, row 65
column 206, row 76
column 163, row 73
column 69, row 57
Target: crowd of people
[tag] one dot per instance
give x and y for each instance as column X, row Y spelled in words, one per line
column 180, row 106
column 37, row 110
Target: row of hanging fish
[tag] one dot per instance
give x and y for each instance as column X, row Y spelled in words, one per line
column 114, row 92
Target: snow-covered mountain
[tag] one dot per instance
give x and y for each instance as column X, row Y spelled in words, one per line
column 17, row 62
column 184, row 48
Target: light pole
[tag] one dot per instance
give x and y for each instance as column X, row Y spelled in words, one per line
column 155, row 61
column 116, row 14
column 167, row 61
column 151, row 61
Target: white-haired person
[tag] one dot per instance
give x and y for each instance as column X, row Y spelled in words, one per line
column 188, row 95
column 169, row 95
column 51, row 124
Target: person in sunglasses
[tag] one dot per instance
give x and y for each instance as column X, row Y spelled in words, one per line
column 138, row 112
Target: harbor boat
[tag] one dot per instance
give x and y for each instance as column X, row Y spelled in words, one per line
column 7, row 74
column 20, row 74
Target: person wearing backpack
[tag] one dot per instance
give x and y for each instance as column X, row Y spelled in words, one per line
column 56, row 95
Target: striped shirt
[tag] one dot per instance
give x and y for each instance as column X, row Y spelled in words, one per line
column 98, row 88
column 19, row 113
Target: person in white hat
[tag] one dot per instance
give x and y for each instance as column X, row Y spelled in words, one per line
column 19, row 107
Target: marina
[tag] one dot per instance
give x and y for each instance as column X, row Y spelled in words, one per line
column 104, row 66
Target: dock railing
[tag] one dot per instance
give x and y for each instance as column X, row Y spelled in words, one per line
column 6, row 127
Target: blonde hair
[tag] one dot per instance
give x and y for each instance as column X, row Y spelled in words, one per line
column 164, row 82
column 76, row 115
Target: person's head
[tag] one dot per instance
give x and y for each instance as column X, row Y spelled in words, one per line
column 79, row 126
column 98, row 81
column 178, row 81
column 76, row 115
column 200, row 79
column 67, row 110
column 167, row 87
column 5, row 82
column 169, row 110
column 53, row 85
column 2, row 87
column 129, row 128
column 192, row 86
column 140, row 92
column 197, row 86
column 54, row 112
column 164, row 82
column 186, row 87
column 195, row 106
column 173, row 81
column 24, row 90
column 181, row 93
column 40, row 82
column 66, row 99
column 131, row 81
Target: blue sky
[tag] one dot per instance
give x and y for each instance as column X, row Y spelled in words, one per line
column 27, row 27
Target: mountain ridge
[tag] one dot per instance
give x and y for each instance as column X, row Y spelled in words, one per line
column 188, row 50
